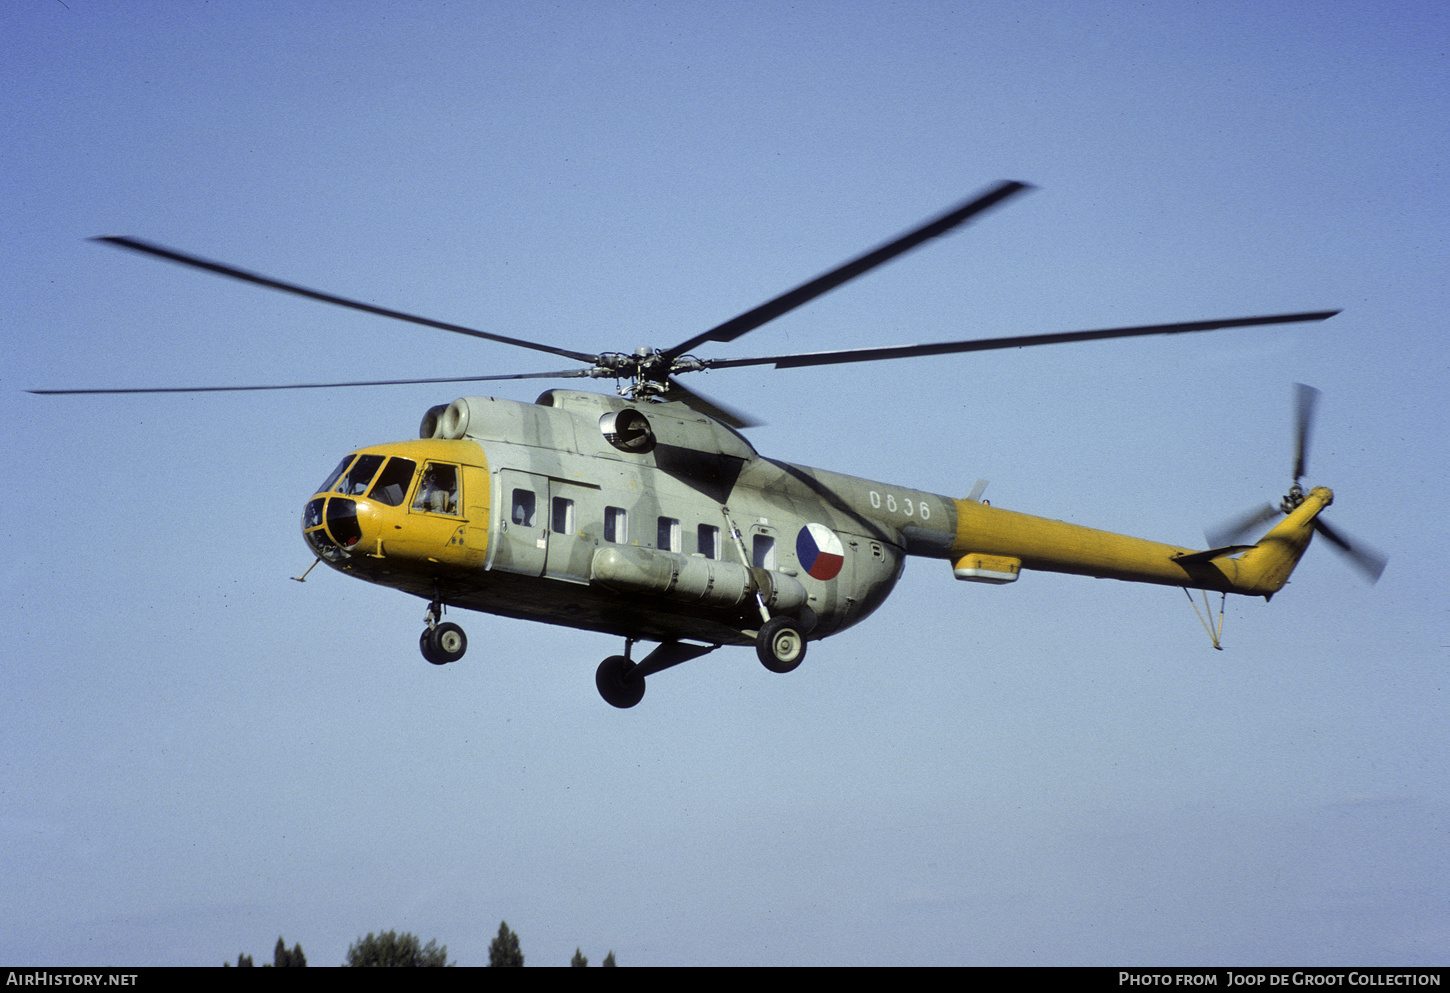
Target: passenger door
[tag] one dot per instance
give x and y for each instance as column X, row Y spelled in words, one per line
column 574, row 516
column 523, row 519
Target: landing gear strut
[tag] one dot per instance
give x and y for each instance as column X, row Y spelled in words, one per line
column 621, row 681
column 441, row 643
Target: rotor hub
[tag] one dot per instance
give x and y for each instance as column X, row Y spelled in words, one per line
column 647, row 369
column 1292, row 499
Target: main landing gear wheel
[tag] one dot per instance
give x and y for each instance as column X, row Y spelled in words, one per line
column 443, row 643
column 616, row 683
column 780, row 644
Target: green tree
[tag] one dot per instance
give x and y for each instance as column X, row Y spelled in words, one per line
column 580, row 960
column 608, row 962
column 390, row 949
column 503, row 951
column 283, row 959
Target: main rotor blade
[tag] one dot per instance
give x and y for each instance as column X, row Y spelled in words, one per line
column 824, row 283
column 1305, row 400
column 710, row 408
column 566, row 374
column 1368, row 561
column 136, row 245
column 988, row 344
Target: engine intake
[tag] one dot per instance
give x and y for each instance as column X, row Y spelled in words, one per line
column 628, row 430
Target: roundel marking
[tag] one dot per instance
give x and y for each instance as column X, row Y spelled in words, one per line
column 820, row 552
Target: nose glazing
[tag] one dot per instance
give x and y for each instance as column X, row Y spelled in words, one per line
column 330, row 525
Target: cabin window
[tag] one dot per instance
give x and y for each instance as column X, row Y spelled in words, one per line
column 668, row 539
column 438, row 493
column 522, row 513
column 709, row 541
column 336, row 475
column 355, row 483
column 392, row 484
column 562, row 519
column 616, row 525
column 762, row 551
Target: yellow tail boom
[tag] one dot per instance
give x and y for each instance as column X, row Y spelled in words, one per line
column 991, row 544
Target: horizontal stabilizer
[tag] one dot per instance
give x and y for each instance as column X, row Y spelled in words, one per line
column 1189, row 558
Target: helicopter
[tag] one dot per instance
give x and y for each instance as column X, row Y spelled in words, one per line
column 648, row 515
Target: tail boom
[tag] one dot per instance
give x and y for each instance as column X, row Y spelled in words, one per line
column 1056, row 546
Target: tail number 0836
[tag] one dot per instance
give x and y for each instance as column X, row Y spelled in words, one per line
column 904, row 506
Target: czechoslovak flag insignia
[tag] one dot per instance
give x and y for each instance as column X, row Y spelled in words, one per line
column 820, row 552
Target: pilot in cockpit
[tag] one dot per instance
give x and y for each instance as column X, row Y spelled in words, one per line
column 438, row 493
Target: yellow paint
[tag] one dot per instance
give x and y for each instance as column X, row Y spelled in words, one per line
column 987, row 568
column 1056, row 546
column 405, row 536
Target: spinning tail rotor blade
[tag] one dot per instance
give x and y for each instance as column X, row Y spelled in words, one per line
column 1366, row 560
column 1231, row 531
column 1369, row 562
column 1306, row 398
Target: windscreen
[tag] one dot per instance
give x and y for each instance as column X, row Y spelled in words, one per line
column 355, row 483
column 392, row 484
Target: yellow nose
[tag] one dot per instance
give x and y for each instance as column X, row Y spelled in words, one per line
column 336, row 525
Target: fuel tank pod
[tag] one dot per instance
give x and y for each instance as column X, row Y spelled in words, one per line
column 693, row 579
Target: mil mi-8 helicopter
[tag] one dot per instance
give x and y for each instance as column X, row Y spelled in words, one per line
column 649, row 516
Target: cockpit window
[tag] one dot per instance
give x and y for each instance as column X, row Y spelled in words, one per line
column 355, row 483
column 392, row 484
column 312, row 513
column 336, row 474
column 438, row 493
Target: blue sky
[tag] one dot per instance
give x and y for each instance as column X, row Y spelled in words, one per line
column 199, row 755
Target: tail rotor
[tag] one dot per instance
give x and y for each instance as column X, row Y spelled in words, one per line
column 1364, row 559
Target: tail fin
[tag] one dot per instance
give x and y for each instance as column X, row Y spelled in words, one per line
column 1264, row 569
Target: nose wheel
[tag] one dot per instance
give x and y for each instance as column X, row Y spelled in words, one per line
column 441, row 643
